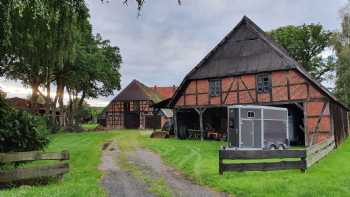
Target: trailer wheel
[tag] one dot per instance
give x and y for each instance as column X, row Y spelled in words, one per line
column 281, row 147
column 272, row 147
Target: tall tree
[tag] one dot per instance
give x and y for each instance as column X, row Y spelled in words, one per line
column 94, row 73
column 37, row 39
column 342, row 48
column 305, row 44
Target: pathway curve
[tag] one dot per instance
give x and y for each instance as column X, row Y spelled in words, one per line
column 120, row 183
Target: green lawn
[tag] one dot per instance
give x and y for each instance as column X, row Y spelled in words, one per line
column 83, row 178
column 199, row 161
column 89, row 126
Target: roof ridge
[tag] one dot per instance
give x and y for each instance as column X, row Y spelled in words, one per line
column 285, row 59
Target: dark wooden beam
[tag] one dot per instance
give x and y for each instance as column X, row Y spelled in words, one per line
column 316, row 129
column 288, row 89
column 196, row 92
column 265, row 166
column 175, row 123
column 220, row 91
column 305, row 124
column 299, row 106
column 33, row 156
column 238, row 99
column 245, row 86
column 261, row 154
column 229, row 90
column 33, row 173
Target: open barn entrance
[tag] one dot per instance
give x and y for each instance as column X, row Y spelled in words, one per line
column 202, row 123
column 132, row 120
column 295, row 123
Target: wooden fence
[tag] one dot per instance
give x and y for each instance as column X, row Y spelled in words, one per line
column 261, row 154
column 317, row 152
column 302, row 158
column 22, row 174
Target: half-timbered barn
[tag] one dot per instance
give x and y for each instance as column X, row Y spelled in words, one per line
column 248, row 67
column 132, row 108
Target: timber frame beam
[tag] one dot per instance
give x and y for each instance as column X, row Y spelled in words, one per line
column 200, row 112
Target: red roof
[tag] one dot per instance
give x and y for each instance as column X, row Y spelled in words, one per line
column 165, row 92
column 19, row 103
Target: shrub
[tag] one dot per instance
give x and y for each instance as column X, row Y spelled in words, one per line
column 20, row 131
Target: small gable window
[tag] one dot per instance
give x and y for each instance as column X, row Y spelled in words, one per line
column 214, row 87
column 263, row 83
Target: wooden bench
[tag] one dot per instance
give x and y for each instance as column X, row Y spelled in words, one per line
column 32, row 173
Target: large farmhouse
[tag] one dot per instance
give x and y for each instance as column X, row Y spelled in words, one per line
column 132, row 107
column 247, row 67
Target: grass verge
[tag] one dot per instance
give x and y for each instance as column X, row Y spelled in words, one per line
column 199, row 161
column 83, row 178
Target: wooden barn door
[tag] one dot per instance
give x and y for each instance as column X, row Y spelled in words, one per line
column 132, row 120
column 152, row 122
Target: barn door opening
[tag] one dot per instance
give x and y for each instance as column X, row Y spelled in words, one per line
column 295, row 123
column 152, row 122
column 132, row 120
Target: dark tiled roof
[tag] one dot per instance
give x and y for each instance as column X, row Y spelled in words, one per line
column 134, row 91
column 138, row 91
column 246, row 49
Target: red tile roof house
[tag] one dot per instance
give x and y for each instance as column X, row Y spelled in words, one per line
column 132, row 107
column 247, row 67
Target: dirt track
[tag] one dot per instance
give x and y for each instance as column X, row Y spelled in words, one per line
column 120, row 183
column 117, row 182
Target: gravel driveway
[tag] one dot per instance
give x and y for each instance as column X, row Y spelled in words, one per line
column 117, row 182
column 120, row 183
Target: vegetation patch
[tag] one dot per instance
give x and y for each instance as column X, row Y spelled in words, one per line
column 83, row 178
column 199, row 161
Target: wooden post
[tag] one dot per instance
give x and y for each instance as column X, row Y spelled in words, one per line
column 221, row 172
column 306, row 128
column 201, row 124
column 200, row 112
column 175, row 123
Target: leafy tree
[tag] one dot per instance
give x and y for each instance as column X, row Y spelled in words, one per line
column 305, row 44
column 341, row 42
column 37, row 37
column 94, row 73
column 49, row 42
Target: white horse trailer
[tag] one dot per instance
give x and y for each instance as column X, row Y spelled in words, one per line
column 257, row 127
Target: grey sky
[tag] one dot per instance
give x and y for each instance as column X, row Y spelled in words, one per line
column 167, row 40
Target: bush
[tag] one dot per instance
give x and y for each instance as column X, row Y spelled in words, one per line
column 20, row 131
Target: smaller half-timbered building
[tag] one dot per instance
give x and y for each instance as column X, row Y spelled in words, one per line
column 132, row 108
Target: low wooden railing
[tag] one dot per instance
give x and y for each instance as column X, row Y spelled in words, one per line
column 261, row 154
column 31, row 173
column 303, row 158
column 316, row 152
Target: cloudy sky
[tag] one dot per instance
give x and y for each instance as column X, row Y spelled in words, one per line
column 167, row 40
